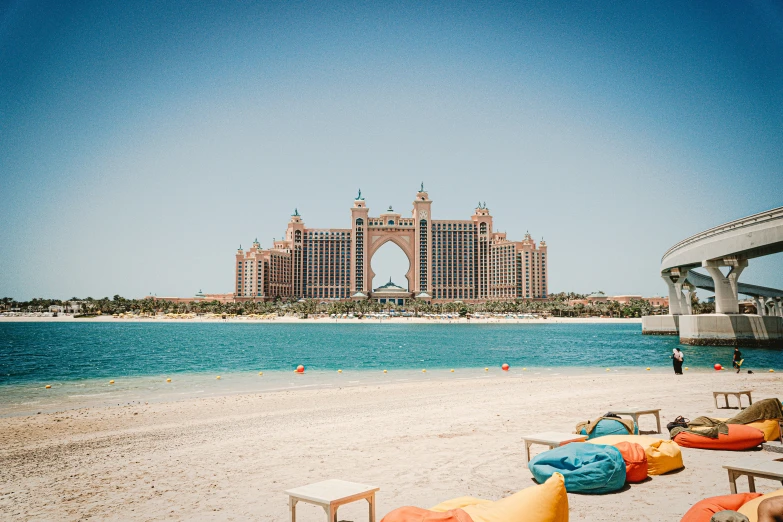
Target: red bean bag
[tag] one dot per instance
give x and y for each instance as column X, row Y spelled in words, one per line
column 740, row 437
column 703, row 510
column 635, row 461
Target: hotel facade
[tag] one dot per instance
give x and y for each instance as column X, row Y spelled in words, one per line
column 450, row 260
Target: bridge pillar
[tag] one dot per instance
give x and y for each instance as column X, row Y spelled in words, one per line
column 679, row 304
column 758, row 302
column 687, row 304
column 778, row 307
column 674, row 298
column 726, row 298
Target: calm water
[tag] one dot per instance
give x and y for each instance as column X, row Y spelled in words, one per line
column 78, row 359
column 38, row 352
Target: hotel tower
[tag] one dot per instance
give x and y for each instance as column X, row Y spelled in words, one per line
column 450, row 260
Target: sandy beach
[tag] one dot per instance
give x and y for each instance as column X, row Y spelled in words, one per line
column 231, row 457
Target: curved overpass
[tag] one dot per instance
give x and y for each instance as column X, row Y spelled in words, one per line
column 729, row 245
column 754, row 236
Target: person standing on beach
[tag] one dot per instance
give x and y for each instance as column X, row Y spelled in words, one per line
column 737, row 360
column 677, row 360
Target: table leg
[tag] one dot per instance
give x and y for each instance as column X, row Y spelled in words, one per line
column 292, row 508
column 715, row 398
column 658, row 420
column 371, row 501
column 751, row 484
column 732, row 482
column 750, row 401
column 527, row 452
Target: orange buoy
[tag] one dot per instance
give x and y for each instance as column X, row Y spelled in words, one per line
column 505, row 367
column 300, row 369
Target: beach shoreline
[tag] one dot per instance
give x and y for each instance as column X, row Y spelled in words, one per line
column 320, row 320
column 420, row 442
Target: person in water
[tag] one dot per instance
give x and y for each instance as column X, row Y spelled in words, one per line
column 677, row 360
column 737, row 360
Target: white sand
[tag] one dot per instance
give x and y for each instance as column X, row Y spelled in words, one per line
column 230, row 458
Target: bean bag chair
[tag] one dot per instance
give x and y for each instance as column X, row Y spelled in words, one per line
column 770, row 428
column 635, row 461
column 703, row 510
column 751, row 508
column 586, row 468
column 740, row 437
column 608, row 427
column 547, row 502
column 662, row 455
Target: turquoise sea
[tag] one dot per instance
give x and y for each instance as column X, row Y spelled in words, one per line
column 78, row 359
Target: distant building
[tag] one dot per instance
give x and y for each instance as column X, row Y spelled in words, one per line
column 199, row 297
column 449, row 259
column 600, row 297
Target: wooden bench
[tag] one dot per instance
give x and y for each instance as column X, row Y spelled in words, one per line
column 737, row 394
column 635, row 413
column 553, row 439
column 331, row 494
column 754, row 467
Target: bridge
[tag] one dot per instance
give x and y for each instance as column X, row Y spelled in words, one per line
column 729, row 247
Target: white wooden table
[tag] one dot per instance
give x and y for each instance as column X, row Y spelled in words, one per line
column 737, row 394
column 635, row 413
column 331, row 494
column 552, row 439
column 754, row 467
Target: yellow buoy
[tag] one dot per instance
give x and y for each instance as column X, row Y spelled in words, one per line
column 771, row 370
column 452, row 370
column 686, row 367
column 339, row 371
column 218, row 377
column 608, row 370
column 486, row 369
column 384, row 371
column 523, row 369
column 168, row 380
column 260, row 373
column 111, row 382
column 648, row 368
column 48, row 386
column 424, row 371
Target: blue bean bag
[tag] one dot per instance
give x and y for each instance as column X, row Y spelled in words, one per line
column 587, row 468
column 609, row 427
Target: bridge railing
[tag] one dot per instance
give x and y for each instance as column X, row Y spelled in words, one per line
column 767, row 215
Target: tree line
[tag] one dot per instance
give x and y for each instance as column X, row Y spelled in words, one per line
column 557, row 305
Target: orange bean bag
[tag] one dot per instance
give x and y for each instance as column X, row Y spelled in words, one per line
column 740, row 437
column 635, row 461
column 703, row 510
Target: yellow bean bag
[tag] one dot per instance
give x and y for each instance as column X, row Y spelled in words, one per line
column 770, row 427
column 662, row 455
column 750, row 509
column 547, row 502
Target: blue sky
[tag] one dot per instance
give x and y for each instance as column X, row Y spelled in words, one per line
column 140, row 145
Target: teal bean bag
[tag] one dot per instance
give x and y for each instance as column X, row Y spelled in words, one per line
column 587, row 468
column 609, row 427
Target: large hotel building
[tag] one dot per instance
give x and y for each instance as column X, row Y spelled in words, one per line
column 450, row 260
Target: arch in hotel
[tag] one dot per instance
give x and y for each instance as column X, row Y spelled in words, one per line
column 403, row 239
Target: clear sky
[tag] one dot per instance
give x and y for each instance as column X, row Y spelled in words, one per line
column 141, row 143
